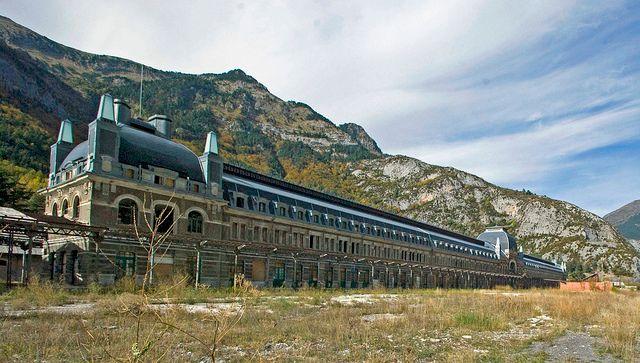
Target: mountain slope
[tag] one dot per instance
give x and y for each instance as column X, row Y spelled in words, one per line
column 627, row 220
column 44, row 81
column 466, row 203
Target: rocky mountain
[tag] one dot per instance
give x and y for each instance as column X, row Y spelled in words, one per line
column 42, row 81
column 627, row 220
column 357, row 132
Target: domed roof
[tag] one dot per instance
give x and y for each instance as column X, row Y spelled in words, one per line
column 494, row 235
column 140, row 148
column 79, row 152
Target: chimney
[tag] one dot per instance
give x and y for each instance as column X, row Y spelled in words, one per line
column 162, row 123
column 122, row 111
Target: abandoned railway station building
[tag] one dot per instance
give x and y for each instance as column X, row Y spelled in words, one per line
column 212, row 222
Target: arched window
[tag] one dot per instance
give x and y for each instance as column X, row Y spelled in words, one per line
column 65, row 207
column 54, row 210
column 127, row 211
column 75, row 208
column 163, row 218
column 195, row 222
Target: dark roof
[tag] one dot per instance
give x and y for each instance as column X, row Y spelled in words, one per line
column 138, row 147
column 538, row 259
column 281, row 184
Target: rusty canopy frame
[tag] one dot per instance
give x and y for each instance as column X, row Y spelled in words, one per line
column 297, row 254
column 33, row 231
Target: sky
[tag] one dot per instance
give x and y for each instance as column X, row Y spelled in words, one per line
column 537, row 95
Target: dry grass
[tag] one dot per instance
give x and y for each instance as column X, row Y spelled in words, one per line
column 457, row 326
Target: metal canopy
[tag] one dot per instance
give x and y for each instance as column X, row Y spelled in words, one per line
column 42, row 226
column 27, row 232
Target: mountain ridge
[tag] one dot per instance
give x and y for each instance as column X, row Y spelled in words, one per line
column 286, row 139
column 627, row 220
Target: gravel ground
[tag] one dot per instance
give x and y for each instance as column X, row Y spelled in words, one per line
column 572, row 347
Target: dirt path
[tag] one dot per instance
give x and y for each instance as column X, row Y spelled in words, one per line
column 572, row 347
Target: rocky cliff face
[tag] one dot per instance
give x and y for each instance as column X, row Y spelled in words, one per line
column 42, row 81
column 357, row 132
column 467, row 204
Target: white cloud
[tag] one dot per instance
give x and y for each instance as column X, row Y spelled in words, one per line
column 530, row 155
column 498, row 88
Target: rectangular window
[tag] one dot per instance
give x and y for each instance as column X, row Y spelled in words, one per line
column 125, row 263
column 234, row 230
column 243, row 232
column 170, row 182
column 129, row 173
column 256, row 233
column 316, row 219
column 196, row 188
column 262, row 207
column 278, row 274
column 157, row 179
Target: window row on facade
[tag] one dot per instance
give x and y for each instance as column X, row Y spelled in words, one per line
column 283, row 236
column 70, row 172
column 64, row 210
column 254, row 200
column 163, row 217
column 541, row 266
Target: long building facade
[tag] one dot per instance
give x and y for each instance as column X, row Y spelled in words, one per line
column 213, row 223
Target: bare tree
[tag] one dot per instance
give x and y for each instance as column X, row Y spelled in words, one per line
column 152, row 325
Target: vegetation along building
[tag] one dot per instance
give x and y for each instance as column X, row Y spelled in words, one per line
column 197, row 217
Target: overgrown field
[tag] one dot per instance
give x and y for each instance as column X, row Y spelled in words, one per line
column 180, row 323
